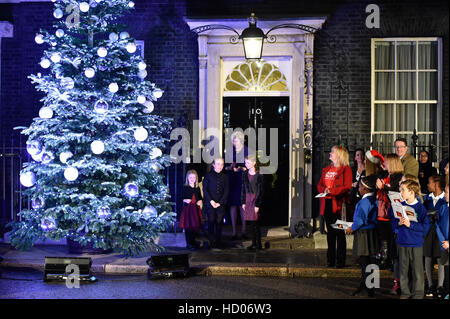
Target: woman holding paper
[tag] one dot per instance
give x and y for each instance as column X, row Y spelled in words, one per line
column 335, row 182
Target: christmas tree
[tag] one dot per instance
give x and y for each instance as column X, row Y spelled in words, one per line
column 97, row 150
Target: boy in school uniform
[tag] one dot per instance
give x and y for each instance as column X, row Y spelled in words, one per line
column 410, row 242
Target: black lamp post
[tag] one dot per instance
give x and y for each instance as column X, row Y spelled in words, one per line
column 253, row 37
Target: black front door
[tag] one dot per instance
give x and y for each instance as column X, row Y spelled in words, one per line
column 266, row 112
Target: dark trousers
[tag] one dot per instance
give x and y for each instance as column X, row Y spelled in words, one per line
column 256, row 232
column 411, row 259
column 215, row 221
column 334, row 255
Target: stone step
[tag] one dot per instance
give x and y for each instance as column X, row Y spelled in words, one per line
column 320, row 241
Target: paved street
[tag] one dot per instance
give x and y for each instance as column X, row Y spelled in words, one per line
column 28, row 283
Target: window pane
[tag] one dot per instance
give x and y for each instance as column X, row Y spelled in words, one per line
column 426, row 117
column 383, row 143
column 427, row 142
column 384, row 55
column 428, row 86
column 406, row 55
column 405, row 117
column 384, row 117
column 406, row 86
column 428, row 55
column 384, row 86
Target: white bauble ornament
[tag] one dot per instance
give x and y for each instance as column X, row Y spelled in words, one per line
column 89, row 72
column 59, row 33
column 64, row 156
column 47, row 157
column 45, row 112
column 142, row 74
column 67, row 83
column 97, row 147
column 131, row 4
column 124, row 35
column 84, row 7
column 113, row 36
column 157, row 93
column 58, row 13
column 141, row 134
column 71, row 173
column 155, row 153
column 131, row 189
column 149, row 107
column 142, row 65
column 34, row 147
column 56, row 57
column 101, row 107
column 149, row 212
column 131, row 47
column 27, row 179
column 48, row 223
column 39, row 38
column 45, row 63
column 102, row 52
column 37, row 157
column 141, row 99
column 113, row 87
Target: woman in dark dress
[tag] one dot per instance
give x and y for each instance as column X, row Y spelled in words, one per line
column 426, row 170
column 251, row 199
column 235, row 170
column 191, row 218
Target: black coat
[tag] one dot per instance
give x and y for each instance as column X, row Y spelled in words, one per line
column 216, row 188
column 247, row 188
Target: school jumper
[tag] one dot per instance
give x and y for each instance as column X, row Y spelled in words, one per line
column 410, row 242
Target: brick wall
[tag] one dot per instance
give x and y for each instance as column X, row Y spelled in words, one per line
column 171, row 51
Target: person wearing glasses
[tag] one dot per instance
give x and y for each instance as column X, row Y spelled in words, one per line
column 410, row 164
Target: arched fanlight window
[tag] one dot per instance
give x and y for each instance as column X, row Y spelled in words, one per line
column 256, row 76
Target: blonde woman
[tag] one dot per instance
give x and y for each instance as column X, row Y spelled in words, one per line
column 336, row 182
column 389, row 181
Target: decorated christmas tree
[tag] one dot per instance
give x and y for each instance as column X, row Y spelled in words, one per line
column 95, row 177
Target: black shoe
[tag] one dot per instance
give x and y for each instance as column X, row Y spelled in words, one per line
column 243, row 236
column 234, row 237
column 440, row 293
column 429, row 291
column 251, row 248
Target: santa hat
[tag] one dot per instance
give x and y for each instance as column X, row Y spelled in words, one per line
column 375, row 157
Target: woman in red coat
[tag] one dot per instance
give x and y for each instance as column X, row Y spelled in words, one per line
column 336, row 182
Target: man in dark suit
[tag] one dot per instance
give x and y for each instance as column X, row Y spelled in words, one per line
column 215, row 193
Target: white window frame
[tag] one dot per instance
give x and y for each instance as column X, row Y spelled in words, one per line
column 438, row 102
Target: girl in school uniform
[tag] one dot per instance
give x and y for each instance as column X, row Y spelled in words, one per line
column 191, row 218
column 431, row 246
column 251, row 199
column 410, row 241
column 442, row 234
column 364, row 224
